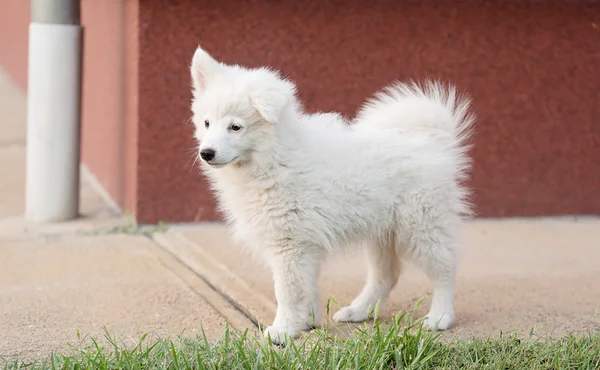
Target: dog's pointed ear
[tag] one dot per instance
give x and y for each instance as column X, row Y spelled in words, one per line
column 269, row 104
column 202, row 69
column 270, row 101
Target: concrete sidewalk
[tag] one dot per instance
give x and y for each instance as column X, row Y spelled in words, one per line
column 92, row 273
column 514, row 275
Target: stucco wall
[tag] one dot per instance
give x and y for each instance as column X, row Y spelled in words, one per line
column 531, row 68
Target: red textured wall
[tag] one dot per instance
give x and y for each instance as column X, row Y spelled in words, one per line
column 532, row 68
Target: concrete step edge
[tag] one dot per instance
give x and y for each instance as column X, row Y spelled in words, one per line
column 226, row 285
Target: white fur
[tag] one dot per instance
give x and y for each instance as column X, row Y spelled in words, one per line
column 295, row 186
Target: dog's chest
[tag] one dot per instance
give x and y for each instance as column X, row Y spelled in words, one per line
column 260, row 212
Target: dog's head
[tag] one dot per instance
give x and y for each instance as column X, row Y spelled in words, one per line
column 235, row 109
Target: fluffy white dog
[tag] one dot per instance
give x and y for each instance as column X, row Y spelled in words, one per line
column 295, row 186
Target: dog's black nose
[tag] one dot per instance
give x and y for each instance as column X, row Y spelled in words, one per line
column 207, row 154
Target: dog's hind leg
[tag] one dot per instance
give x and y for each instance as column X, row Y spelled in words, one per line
column 435, row 254
column 384, row 267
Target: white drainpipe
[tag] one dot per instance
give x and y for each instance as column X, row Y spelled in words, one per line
column 53, row 111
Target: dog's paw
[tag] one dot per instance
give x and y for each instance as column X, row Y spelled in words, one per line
column 279, row 336
column 352, row 314
column 438, row 321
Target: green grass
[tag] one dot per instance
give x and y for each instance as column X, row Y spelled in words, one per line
column 403, row 344
column 132, row 228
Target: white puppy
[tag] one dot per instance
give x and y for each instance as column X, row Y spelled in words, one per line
column 295, row 186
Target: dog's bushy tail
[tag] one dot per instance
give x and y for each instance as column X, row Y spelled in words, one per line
column 432, row 110
column 414, row 107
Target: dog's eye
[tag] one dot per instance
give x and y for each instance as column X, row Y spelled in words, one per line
column 234, row 127
column 206, row 123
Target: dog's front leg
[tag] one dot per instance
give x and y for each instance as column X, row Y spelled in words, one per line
column 296, row 274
